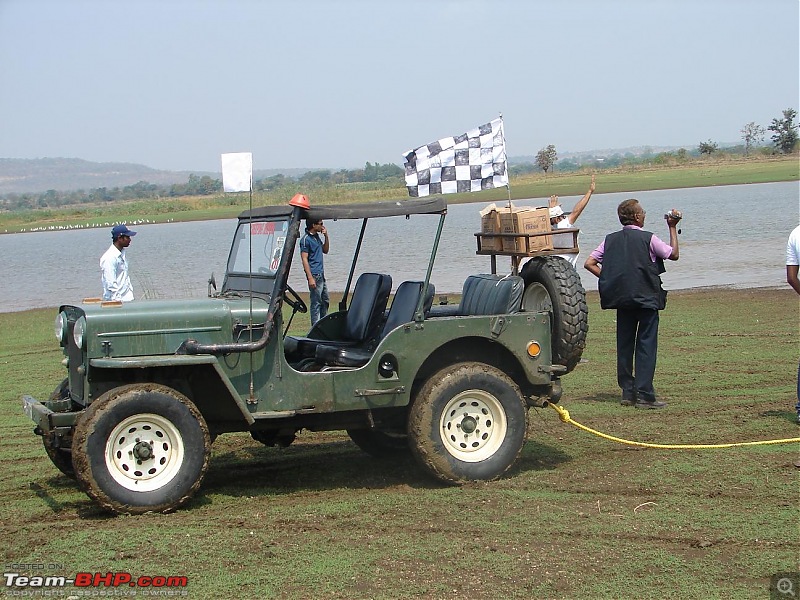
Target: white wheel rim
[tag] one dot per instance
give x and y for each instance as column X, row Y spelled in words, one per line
column 536, row 299
column 144, row 452
column 473, row 426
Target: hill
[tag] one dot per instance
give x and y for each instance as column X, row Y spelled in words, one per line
column 38, row 175
column 18, row 175
column 22, row 175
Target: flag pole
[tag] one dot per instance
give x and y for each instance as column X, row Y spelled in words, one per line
column 233, row 165
column 508, row 172
column 252, row 398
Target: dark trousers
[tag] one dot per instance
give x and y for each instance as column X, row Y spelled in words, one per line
column 637, row 346
column 797, row 406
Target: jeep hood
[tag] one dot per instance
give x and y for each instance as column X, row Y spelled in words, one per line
column 157, row 327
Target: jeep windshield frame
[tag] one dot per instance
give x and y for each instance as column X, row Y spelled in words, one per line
column 254, row 256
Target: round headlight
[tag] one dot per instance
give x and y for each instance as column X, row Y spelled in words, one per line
column 79, row 332
column 60, row 328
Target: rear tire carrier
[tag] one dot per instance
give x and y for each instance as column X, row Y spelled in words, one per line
column 553, row 285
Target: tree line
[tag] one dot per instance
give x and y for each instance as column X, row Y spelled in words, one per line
column 199, row 186
column 784, row 141
column 784, row 138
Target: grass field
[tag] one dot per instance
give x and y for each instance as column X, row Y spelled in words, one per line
column 698, row 173
column 578, row 517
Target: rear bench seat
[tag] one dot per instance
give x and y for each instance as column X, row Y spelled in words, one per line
column 491, row 295
column 486, row 295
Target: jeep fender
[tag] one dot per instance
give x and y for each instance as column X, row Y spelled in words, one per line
column 476, row 349
column 201, row 396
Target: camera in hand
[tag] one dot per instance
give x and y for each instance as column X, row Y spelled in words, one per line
column 674, row 214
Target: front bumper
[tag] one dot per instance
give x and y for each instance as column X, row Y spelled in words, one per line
column 45, row 419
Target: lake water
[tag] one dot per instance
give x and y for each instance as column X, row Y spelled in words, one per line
column 732, row 236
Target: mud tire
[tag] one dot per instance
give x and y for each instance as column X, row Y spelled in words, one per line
column 60, row 457
column 380, row 444
column 569, row 316
column 273, row 438
column 103, row 447
column 467, row 423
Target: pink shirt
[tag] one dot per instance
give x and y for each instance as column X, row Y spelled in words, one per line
column 658, row 248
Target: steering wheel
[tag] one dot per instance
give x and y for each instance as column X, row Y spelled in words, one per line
column 292, row 299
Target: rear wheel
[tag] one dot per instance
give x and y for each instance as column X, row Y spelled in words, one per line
column 141, row 448
column 273, row 438
column 378, row 443
column 553, row 285
column 468, row 423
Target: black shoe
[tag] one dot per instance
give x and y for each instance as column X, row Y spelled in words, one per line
column 642, row 403
column 628, row 402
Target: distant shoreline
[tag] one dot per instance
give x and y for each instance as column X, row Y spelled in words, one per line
column 699, row 173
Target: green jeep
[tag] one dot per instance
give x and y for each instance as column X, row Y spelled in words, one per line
column 150, row 384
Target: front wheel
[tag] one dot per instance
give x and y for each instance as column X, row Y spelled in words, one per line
column 468, row 423
column 141, row 448
column 60, row 457
column 58, row 454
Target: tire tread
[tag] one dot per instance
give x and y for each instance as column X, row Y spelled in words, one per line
column 571, row 326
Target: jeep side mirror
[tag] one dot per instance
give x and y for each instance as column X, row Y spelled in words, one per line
column 212, row 285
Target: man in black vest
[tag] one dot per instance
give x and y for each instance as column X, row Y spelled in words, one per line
column 629, row 264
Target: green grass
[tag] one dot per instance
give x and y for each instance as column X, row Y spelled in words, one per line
column 577, row 517
column 696, row 173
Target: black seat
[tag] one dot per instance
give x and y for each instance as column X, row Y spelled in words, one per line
column 401, row 312
column 491, row 295
column 362, row 320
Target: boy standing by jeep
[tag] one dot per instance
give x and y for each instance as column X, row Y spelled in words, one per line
column 312, row 247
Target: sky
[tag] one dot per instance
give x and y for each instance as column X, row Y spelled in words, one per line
column 172, row 84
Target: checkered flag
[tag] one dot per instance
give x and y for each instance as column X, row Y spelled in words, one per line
column 470, row 162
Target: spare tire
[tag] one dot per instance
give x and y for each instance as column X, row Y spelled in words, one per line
column 553, row 285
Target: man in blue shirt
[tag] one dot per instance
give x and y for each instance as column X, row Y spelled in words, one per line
column 311, row 250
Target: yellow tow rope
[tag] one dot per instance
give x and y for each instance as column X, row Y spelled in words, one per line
column 563, row 413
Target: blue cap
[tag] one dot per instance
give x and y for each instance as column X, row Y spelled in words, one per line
column 119, row 230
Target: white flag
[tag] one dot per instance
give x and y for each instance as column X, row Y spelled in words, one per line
column 470, row 162
column 237, row 172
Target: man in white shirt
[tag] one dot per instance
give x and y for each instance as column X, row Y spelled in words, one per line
column 793, row 259
column 561, row 220
column 792, row 268
column 114, row 268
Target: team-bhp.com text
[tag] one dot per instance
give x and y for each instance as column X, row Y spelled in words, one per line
column 93, row 580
